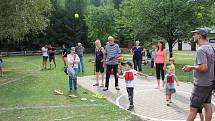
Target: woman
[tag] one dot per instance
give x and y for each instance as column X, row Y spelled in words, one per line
column 72, row 70
column 137, row 52
column 99, row 59
column 160, row 62
column 64, row 54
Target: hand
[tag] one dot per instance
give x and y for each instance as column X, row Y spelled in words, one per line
column 187, row 68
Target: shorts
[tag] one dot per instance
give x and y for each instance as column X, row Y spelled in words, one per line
column 45, row 58
column 99, row 67
column 200, row 95
column 170, row 91
column 51, row 58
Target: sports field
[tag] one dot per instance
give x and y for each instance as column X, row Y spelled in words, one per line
column 26, row 92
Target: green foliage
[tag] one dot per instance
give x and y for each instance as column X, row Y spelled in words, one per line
column 19, row 17
column 101, row 22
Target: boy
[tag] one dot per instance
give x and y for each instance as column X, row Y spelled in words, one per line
column 1, row 66
column 169, row 80
column 129, row 80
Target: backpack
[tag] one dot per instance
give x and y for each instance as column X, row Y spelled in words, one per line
column 129, row 76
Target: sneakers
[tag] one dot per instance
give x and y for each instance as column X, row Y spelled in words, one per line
column 130, row 108
column 106, row 89
column 168, row 103
column 117, row 88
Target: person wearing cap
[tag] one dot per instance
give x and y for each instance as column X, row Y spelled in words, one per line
column 80, row 51
column 203, row 76
column 72, row 68
column 112, row 53
column 129, row 75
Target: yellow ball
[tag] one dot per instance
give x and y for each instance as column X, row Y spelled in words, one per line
column 76, row 15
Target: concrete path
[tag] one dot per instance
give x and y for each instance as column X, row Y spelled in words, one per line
column 150, row 103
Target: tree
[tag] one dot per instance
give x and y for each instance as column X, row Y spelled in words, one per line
column 168, row 19
column 101, row 22
column 19, row 17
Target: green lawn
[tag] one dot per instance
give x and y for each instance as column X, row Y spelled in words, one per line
column 26, row 94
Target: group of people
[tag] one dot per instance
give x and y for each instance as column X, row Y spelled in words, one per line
column 48, row 52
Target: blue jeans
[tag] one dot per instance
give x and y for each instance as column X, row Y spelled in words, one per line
column 73, row 81
column 81, row 64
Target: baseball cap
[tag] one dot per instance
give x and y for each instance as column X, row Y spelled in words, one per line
column 126, row 62
column 203, row 32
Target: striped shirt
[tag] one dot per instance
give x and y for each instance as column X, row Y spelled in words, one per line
column 111, row 52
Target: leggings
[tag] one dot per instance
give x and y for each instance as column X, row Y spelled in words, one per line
column 159, row 70
column 130, row 91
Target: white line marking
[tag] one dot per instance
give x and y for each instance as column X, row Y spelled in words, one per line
column 147, row 117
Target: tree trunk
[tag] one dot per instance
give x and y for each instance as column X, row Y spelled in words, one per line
column 180, row 45
column 170, row 49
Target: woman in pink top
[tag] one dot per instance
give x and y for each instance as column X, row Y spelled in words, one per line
column 160, row 62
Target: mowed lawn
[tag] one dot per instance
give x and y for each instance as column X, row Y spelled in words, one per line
column 26, row 94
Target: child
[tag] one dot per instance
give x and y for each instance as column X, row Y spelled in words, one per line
column 172, row 62
column 169, row 80
column 129, row 80
column 1, row 65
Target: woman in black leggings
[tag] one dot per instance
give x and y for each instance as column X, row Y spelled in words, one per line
column 160, row 62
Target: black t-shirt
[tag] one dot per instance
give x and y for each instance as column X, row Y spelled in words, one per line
column 51, row 51
column 137, row 52
column 64, row 52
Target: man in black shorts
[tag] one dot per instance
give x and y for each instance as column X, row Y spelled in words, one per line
column 51, row 51
column 203, row 76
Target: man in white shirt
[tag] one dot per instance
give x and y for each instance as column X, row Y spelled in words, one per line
column 44, row 50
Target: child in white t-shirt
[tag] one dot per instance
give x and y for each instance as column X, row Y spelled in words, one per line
column 128, row 75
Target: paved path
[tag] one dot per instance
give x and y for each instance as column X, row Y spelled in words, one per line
column 149, row 103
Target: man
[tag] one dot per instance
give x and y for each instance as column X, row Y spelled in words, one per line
column 51, row 51
column 137, row 52
column 112, row 52
column 44, row 50
column 203, row 76
column 80, row 52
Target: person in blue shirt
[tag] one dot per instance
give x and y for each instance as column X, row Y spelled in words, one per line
column 152, row 55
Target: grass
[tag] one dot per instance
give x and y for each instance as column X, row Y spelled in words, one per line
column 28, row 94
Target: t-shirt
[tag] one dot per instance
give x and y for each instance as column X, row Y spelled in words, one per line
column 204, row 55
column 129, row 77
column 170, row 79
column 44, row 51
column 51, row 51
column 64, row 52
column 80, row 50
column 137, row 52
column 159, row 57
column 111, row 52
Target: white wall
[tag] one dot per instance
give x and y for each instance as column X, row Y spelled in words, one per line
column 185, row 46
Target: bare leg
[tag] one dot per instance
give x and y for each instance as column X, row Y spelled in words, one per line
column 97, row 77
column 158, row 82
column 201, row 117
column 208, row 112
column 192, row 114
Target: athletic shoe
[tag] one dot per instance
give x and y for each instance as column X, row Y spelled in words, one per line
column 106, row 89
column 117, row 88
column 168, row 103
column 130, row 108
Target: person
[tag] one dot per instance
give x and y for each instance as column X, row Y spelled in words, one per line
column 160, row 62
column 51, row 52
column 72, row 69
column 64, row 54
column 44, row 50
column 80, row 51
column 169, row 80
column 203, row 76
column 112, row 52
column 129, row 75
column 152, row 54
column 137, row 52
column 172, row 62
column 1, row 65
column 99, row 60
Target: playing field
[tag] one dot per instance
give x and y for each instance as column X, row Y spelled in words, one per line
column 26, row 92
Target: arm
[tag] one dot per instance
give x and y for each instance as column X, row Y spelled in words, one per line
column 164, row 67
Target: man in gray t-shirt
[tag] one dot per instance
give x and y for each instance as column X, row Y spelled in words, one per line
column 203, row 76
column 80, row 52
